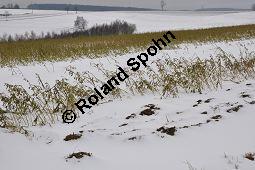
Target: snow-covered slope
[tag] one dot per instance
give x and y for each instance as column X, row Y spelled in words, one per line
column 210, row 131
column 205, row 141
column 214, row 130
column 50, row 72
column 22, row 20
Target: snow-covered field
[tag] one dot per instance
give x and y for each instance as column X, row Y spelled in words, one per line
column 54, row 71
column 214, row 130
column 218, row 144
column 22, row 20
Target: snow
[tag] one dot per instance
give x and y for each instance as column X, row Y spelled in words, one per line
column 211, row 146
column 202, row 147
column 22, row 20
column 51, row 71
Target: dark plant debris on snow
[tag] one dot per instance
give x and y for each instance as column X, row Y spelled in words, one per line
column 72, row 137
column 79, row 155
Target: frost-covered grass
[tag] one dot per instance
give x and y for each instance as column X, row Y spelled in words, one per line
column 25, row 52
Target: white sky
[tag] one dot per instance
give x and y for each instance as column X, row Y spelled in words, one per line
column 171, row 4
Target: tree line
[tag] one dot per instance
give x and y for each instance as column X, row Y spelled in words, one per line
column 80, row 29
column 10, row 6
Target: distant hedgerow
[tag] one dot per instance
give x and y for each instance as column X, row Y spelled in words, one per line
column 114, row 28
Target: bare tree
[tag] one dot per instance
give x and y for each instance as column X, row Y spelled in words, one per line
column 32, row 35
column 253, row 7
column 162, row 4
column 10, row 6
column 80, row 24
column 67, row 9
column 6, row 14
column 76, row 9
column 26, row 35
column 16, row 6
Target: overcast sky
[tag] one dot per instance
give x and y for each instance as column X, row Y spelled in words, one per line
column 171, row 4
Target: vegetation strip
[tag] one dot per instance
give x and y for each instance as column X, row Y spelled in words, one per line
column 25, row 52
column 43, row 103
column 134, row 63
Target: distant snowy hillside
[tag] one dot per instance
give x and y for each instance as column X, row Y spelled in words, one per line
column 22, row 20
